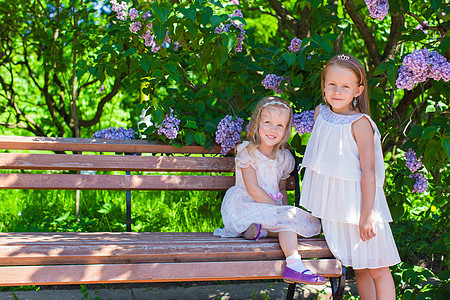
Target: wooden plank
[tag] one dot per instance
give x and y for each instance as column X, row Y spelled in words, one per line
column 115, row 182
column 95, row 248
column 97, row 145
column 26, row 161
column 157, row 272
column 119, row 182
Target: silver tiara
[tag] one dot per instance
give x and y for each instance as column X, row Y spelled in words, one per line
column 274, row 102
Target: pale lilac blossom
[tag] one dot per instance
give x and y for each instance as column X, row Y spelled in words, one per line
column 135, row 27
column 378, row 9
column 133, row 14
column 421, row 184
column 272, row 81
column 295, row 45
column 228, row 133
column 412, row 163
column 169, row 126
column 303, row 122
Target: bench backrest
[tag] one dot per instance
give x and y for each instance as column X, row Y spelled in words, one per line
column 173, row 165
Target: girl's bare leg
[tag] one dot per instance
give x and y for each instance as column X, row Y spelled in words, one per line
column 288, row 242
column 365, row 284
column 384, row 283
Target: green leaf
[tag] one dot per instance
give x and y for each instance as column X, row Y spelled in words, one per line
column 161, row 11
column 145, row 63
column 405, row 6
column 171, row 67
column 191, row 27
column 221, row 53
column 215, row 20
column 289, row 58
column 315, row 3
column 229, row 40
column 176, row 144
column 191, row 124
column 297, row 80
column 160, row 30
column 445, row 143
column 435, row 4
column 301, row 60
column 429, row 133
column 445, row 44
column 206, row 15
column 190, row 137
column 216, row 3
column 189, row 13
column 200, row 138
column 392, row 75
column 429, row 157
column 380, row 69
column 129, row 52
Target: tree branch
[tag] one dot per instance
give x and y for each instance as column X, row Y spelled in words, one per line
column 103, row 101
column 392, row 47
column 366, row 33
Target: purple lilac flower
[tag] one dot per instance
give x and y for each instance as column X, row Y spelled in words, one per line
column 228, row 133
column 295, row 45
column 146, row 15
column 119, row 7
column 169, row 126
column 167, row 39
column 219, row 29
column 176, row 45
column 378, row 9
column 411, row 161
column 133, row 14
column 122, row 15
column 272, row 81
column 303, row 122
column 240, row 38
column 135, row 27
column 237, row 13
column 100, row 90
column 421, row 184
column 112, row 133
column 236, row 2
column 420, row 65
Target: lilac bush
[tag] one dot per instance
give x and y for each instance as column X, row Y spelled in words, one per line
column 303, row 122
column 169, row 126
column 421, row 184
column 412, row 163
column 228, row 133
column 225, row 28
column 378, row 9
column 420, row 65
column 112, row 133
column 272, row 81
column 295, row 45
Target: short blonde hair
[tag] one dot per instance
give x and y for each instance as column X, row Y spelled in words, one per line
column 253, row 127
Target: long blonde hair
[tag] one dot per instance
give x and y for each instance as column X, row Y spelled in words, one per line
column 253, row 127
column 351, row 63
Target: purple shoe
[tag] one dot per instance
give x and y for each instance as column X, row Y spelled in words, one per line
column 253, row 232
column 291, row 276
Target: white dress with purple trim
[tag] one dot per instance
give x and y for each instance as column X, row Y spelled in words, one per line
column 240, row 210
column 331, row 190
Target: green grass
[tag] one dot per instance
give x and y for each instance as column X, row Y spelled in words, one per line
column 50, row 210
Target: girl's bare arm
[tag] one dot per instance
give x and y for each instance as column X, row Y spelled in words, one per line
column 253, row 188
column 363, row 134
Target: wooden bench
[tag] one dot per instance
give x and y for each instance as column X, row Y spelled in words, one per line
column 48, row 258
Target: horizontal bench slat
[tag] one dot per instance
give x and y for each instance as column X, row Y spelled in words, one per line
column 95, row 248
column 97, row 145
column 115, row 182
column 25, row 161
column 157, row 272
column 119, row 182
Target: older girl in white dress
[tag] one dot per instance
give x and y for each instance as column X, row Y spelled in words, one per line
column 343, row 183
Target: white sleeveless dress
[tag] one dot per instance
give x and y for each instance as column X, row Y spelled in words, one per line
column 240, row 210
column 331, row 190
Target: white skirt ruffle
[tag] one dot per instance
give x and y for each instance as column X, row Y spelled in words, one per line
column 339, row 199
column 345, row 243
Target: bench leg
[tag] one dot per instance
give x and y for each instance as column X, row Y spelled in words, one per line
column 337, row 289
column 128, row 203
column 291, row 291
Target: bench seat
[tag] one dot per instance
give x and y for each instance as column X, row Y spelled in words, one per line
column 107, row 257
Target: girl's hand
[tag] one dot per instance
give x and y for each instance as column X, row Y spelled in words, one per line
column 366, row 228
